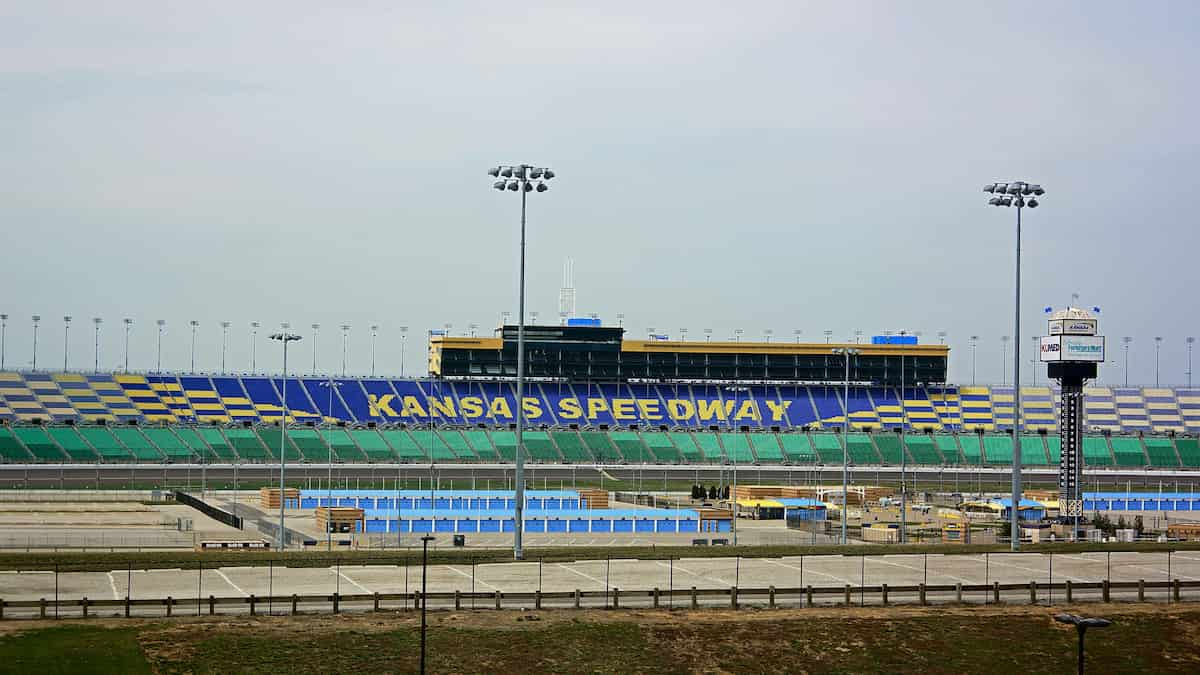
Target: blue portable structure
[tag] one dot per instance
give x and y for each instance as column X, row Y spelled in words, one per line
column 541, row 520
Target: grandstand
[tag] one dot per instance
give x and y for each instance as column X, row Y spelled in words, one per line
column 126, row 418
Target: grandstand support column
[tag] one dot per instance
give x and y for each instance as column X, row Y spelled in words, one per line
column 284, row 337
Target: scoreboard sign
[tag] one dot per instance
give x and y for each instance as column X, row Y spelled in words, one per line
column 1088, row 348
column 1072, row 326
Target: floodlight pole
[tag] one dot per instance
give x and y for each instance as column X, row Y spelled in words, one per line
column 517, row 178
column 847, row 352
column 285, row 338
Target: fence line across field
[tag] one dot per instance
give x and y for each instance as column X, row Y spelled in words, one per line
column 734, row 597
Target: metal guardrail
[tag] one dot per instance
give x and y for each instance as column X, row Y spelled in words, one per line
column 612, row 597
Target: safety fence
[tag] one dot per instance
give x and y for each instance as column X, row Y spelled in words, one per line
column 615, row 598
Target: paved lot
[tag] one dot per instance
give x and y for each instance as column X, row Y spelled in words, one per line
column 602, row 575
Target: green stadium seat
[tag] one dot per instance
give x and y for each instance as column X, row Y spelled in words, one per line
column 997, row 449
column 192, row 439
column 707, row 442
column 343, row 445
column 40, row 444
column 11, row 449
column 687, row 446
column 828, row 447
column 540, row 447
column 572, row 446
column 143, row 450
column 631, row 446
column 372, row 445
column 922, row 450
column 737, row 447
column 766, row 448
column 248, row 446
column 458, row 445
column 1128, row 451
column 309, row 442
column 972, row 453
column 482, row 445
column 798, row 448
column 70, row 440
column 431, row 444
column 1189, row 451
column 661, row 447
column 600, row 445
column 888, row 444
column 270, row 438
column 169, row 444
column 506, row 444
column 947, row 446
column 110, row 449
column 1095, row 451
column 1161, row 453
column 861, row 450
column 404, row 446
column 220, row 446
column 1033, row 451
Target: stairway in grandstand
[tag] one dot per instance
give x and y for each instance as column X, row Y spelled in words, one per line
column 54, row 417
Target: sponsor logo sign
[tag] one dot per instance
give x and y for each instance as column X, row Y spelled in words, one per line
column 1073, row 327
column 1088, row 348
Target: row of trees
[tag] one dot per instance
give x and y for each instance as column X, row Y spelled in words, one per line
column 1109, row 528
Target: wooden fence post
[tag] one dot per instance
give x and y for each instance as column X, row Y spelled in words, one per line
column 616, row 598
column 695, row 600
column 733, row 599
column 1104, row 591
column 656, row 597
column 126, row 606
column 996, row 592
column 457, row 600
column 771, row 597
column 537, row 599
column 885, row 595
column 958, row 593
column 1176, row 590
column 497, row 599
column 1141, row 590
column 847, row 595
column 170, row 605
column 921, row 591
column 376, row 607
column 85, row 607
column 43, row 608
column 578, row 597
column 1033, row 592
column 1069, row 596
column 212, row 605
column 808, row 595
column 252, row 601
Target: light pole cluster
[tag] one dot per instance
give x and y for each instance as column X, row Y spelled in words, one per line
column 522, row 178
column 1019, row 194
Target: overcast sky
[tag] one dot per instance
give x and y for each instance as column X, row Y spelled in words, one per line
column 758, row 165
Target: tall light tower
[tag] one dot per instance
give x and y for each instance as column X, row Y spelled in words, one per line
column 224, row 343
column 193, row 323
column 1034, row 361
column 96, row 365
column 1125, row 341
column 1019, row 194
column 974, row 344
column 858, row 336
column 403, row 347
column 1003, row 359
column 797, row 333
column 161, row 323
column 375, row 332
column 847, row 352
column 345, row 344
column 1190, row 341
column 522, row 178
column 708, row 334
column 767, row 333
column 66, row 339
column 254, row 325
column 128, row 326
column 285, row 337
column 37, row 318
column 828, row 336
column 1157, row 347
column 315, row 327
column 3, row 338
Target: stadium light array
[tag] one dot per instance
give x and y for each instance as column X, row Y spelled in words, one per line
column 253, row 345
column 1019, row 194
column 3, row 338
column 193, row 323
column 1157, row 347
column 523, row 178
column 96, row 365
column 285, row 337
column 37, row 318
column 161, row 323
column 128, row 326
column 1190, row 341
column 66, row 339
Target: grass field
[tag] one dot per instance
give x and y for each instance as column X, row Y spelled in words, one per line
column 1145, row 639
